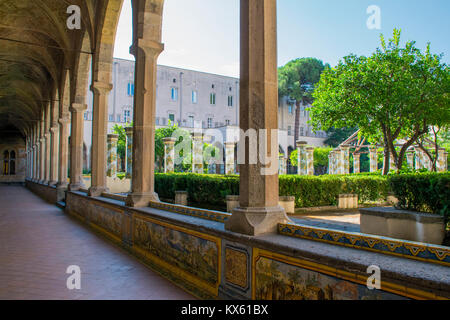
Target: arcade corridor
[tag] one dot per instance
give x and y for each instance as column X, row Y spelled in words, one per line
column 38, row 242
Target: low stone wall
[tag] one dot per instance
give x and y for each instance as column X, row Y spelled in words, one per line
column 213, row 263
column 403, row 224
column 46, row 192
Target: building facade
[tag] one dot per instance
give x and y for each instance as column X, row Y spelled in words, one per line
column 192, row 99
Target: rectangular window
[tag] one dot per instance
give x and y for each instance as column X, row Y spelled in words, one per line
column 291, row 109
column 230, row 101
column 130, row 89
column 301, row 131
column 172, row 118
column 210, row 123
column 174, row 94
column 126, row 116
column 289, row 131
column 227, row 122
column 191, row 122
column 157, row 121
column 111, row 118
column 212, row 98
column 86, row 116
column 118, row 118
column 194, row 96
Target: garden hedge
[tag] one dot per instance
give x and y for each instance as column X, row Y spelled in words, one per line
column 309, row 191
column 425, row 192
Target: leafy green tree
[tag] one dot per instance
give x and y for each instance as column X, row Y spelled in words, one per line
column 397, row 93
column 338, row 135
column 296, row 80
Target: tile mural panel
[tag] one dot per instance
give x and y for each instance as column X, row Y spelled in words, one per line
column 195, row 255
column 276, row 280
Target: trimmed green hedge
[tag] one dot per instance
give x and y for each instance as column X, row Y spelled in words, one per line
column 425, row 192
column 309, row 191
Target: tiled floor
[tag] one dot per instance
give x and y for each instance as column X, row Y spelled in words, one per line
column 38, row 242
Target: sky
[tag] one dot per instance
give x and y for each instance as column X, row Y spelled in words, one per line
column 203, row 35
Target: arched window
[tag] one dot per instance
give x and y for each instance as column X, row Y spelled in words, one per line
column 6, row 162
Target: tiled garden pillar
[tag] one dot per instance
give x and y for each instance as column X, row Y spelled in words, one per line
column 146, row 53
column 259, row 211
column 410, row 159
column 445, row 161
column 373, row 159
column 310, row 161
column 330, row 163
column 100, row 91
column 301, row 158
column 112, row 155
column 282, row 164
column 169, row 154
column 197, row 153
column 129, row 152
column 356, row 163
column 76, row 146
column 54, row 155
column 345, row 159
column 339, row 166
column 229, row 158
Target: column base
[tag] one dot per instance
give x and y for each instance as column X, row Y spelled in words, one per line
column 256, row 221
column 97, row 191
column 75, row 186
column 61, row 188
column 141, row 200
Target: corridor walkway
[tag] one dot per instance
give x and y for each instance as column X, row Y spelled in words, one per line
column 38, row 242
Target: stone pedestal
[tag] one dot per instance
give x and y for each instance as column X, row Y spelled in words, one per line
column 288, row 204
column 181, row 198
column 373, row 159
column 302, row 167
column 310, row 161
column 197, row 154
column 112, row 155
column 169, row 154
column 348, row 201
column 258, row 211
column 356, row 163
column 229, row 158
column 232, row 203
column 129, row 151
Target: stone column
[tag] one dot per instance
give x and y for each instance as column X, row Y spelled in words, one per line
column 410, row 159
column 48, row 141
column 356, row 162
column 143, row 189
column 259, row 211
column 310, row 161
column 112, row 157
column 345, row 159
column 63, row 155
column 129, row 151
column 99, row 132
column 54, row 155
column 373, row 159
column 169, row 154
column 197, row 153
column 76, row 146
column 229, row 158
column 42, row 159
column 301, row 158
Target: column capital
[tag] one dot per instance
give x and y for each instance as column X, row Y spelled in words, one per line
column 78, row 107
column 101, row 88
column 230, row 144
column 54, row 129
column 149, row 47
column 169, row 140
column 64, row 121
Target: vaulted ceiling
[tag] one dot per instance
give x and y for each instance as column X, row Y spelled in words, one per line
column 36, row 50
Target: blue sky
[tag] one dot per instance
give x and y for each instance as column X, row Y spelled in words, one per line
column 204, row 34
